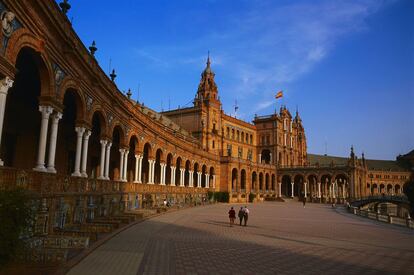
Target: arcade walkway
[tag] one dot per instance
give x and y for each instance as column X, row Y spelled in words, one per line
column 282, row 238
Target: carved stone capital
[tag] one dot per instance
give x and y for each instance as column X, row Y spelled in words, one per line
column 5, row 84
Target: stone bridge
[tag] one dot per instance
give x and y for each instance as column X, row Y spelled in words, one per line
column 400, row 200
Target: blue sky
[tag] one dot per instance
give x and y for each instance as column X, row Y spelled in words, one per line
column 347, row 65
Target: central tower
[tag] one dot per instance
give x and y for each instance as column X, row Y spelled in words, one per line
column 208, row 102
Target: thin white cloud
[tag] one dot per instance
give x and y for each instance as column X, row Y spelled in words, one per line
column 267, row 47
column 290, row 41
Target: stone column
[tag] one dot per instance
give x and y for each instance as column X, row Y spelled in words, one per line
column 85, row 153
column 293, row 189
column 125, row 173
column 191, row 179
column 46, row 111
column 173, row 175
column 52, row 143
column 279, row 189
column 182, row 176
column 260, row 158
column 140, row 169
column 199, row 174
column 108, row 154
column 121, row 164
column 151, row 171
column 306, row 189
column 5, row 85
column 102, row 164
column 163, row 171
column 331, row 190
column 207, row 181
column 214, row 181
column 319, row 190
column 343, row 190
column 136, row 168
column 79, row 131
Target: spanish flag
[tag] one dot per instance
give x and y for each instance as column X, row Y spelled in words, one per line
column 279, row 94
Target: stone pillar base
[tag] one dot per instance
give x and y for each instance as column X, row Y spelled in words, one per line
column 76, row 174
column 51, row 170
column 40, row 169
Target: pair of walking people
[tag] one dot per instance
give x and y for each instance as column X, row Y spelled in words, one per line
column 243, row 215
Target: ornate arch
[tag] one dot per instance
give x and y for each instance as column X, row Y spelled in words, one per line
column 102, row 116
column 70, row 84
column 22, row 38
column 122, row 138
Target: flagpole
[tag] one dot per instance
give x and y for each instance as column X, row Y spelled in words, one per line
column 279, row 94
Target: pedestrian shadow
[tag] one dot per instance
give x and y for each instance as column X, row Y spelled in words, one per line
column 226, row 224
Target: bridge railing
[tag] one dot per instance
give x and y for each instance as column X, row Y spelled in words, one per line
column 395, row 198
column 391, row 219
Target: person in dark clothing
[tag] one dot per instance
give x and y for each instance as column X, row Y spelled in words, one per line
column 241, row 215
column 232, row 216
column 246, row 215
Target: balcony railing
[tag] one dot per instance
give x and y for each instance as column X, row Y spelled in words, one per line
column 50, row 184
column 312, row 166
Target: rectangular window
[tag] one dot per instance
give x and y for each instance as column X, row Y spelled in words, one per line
column 249, row 154
column 229, row 150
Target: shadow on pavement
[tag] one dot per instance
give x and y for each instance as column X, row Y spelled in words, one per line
column 185, row 250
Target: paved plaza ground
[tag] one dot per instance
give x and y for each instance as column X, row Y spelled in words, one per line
column 281, row 238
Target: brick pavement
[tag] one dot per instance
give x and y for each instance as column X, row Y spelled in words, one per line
column 282, row 238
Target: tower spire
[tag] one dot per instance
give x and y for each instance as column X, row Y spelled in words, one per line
column 207, row 89
column 208, row 59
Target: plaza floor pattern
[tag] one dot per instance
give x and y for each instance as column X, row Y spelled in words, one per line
column 281, row 238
